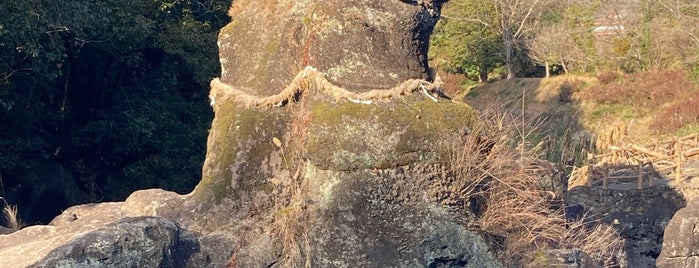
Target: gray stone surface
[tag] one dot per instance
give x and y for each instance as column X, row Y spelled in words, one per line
column 360, row 44
column 130, row 242
column 681, row 239
column 639, row 215
column 563, row 258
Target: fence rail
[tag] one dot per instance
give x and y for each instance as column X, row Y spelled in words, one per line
column 634, row 161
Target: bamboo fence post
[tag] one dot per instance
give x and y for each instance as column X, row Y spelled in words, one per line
column 590, row 164
column 640, row 175
column 651, row 178
column 605, row 177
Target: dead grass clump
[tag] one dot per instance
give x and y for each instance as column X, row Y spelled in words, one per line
column 292, row 216
column 649, row 89
column 498, row 169
column 11, row 220
column 291, row 225
column 600, row 241
column 452, row 83
column 578, row 177
column 672, row 118
column 607, row 77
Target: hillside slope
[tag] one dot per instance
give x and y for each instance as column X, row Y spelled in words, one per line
column 595, row 112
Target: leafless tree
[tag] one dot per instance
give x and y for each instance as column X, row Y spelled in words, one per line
column 518, row 21
column 554, row 44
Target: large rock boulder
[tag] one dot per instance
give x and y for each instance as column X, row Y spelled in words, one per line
column 639, row 215
column 359, row 44
column 341, row 164
column 681, row 239
column 343, row 183
column 152, row 228
column 130, row 242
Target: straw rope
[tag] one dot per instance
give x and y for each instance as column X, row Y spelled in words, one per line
column 312, row 79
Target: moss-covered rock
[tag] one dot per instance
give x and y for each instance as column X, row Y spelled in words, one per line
column 350, row 136
column 354, row 180
column 240, row 145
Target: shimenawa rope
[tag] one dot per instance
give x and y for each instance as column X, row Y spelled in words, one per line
column 309, row 79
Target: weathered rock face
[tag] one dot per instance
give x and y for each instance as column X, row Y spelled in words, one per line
column 152, row 228
column 360, row 44
column 639, row 215
column 131, row 242
column 351, row 173
column 681, row 239
column 326, row 177
column 568, row 258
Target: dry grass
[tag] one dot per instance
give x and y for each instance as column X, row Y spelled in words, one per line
column 677, row 116
column 654, row 105
column 11, row 219
column 650, row 89
column 600, row 241
column 291, row 222
column 452, row 83
column 578, row 177
column 607, row 77
column 499, row 170
column 292, row 216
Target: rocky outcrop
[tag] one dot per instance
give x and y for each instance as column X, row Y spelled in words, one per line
column 335, row 165
column 152, row 228
column 680, row 242
column 130, row 242
column 359, row 44
column 639, row 215
column 360, row 176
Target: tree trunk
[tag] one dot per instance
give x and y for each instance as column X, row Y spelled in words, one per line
column 482, row 74
column 509, row 58
column 548, row 69
column 565, row 69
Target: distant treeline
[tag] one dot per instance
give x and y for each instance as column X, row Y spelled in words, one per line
column 541, row 37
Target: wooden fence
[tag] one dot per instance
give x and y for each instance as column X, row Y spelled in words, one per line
column 635, row 162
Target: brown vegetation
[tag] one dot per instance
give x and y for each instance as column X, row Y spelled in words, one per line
column 651, row 89
column 452, row 83
column 513, row 207
column 292, row 215
column 679, row 115
column 667, row 98
column 607, row 77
